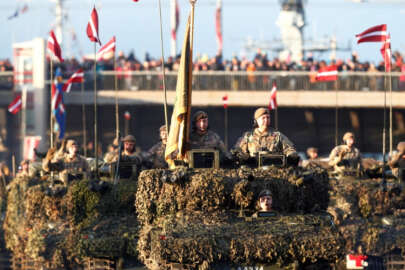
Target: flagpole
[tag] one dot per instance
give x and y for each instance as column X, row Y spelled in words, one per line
column 192, row 25
column 336, row 114
column 163, row 68
column 50, row 111
column 226, row 126
column 390, row 88
column 384, row 130
column 117, row 122
column 95, row 111
column 13, row 164
column 84, row 121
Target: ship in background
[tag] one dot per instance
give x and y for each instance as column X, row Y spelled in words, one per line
column 292, row 46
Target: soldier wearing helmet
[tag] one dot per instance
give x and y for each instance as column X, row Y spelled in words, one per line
column 264, row 138
column 265, row 205
column 67, row 161
column 156, row 154
column 345, row 156
column 398, row 161
column 203, row 138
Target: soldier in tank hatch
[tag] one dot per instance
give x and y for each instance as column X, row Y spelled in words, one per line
column 203, row 138
column 264, row 139
column 156, row 154
column 345, row 156
column 66, row 161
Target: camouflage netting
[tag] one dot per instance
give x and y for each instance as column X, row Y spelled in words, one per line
column 369, row 213
column 379, row 236
column 200, row 241
column 364, row 198
column 64, row 229
column 164, row 193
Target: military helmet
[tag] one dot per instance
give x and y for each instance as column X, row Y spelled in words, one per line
column 25, row 161
column 199, row 115
column 70, row 143
column 401, row 147
column 348, row 135
column 261, row 111
column 265, row 192
column 129, row 138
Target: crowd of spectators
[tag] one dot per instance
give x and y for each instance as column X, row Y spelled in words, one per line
column 260, row 62
column 126, row 64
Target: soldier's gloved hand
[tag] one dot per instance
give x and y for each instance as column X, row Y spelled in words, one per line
column 293, row 159
column 50, row 154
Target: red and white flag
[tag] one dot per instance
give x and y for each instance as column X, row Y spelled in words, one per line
column 30, row 143
column 77, row 77
column 108, row 48
column 329, row 73
column 374, row 34
column 16, row 105
column 92, row 27
column 386, row 53
column 273, row 97
column 225, row 101
column 218, row 26
column 53, row 47
column 175, row 18
column 356, row 261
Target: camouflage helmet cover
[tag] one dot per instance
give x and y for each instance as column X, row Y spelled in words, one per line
column 261, row 111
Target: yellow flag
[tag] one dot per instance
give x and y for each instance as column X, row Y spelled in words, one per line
column 180, row 122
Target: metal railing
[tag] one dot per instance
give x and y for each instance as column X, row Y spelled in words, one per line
column 6, row 80
column 233, row 81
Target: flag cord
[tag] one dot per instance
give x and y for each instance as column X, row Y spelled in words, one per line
column 390, row 88
column 336, row 115
column 50, row 111
column 84, row 120
column 95, row 111
column 117, row 122
column 163, row 68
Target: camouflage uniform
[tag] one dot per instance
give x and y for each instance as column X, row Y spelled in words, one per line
column 208, row 140
column 75, row 168
column 156, row 155
column 113, row 157
column 397, row 162
column 343, row 158
column 272, row 141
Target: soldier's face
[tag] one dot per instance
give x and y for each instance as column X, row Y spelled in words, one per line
column 313, row 154
column 129, row 146
column 202, row 124
column 266, row 203
column 25, row 167
column 350, row 142
column 263, row 121
column 163, row 136
column 73, row 149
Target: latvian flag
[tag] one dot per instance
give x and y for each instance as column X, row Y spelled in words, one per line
column 374, row 34
column 327, row 74
column 53, row 47
column 108, row 48
column 92, row 27
column 16, row 105
column 273, row 97
column 77, row 77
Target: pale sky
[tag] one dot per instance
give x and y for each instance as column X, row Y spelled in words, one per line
column 136, row 25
